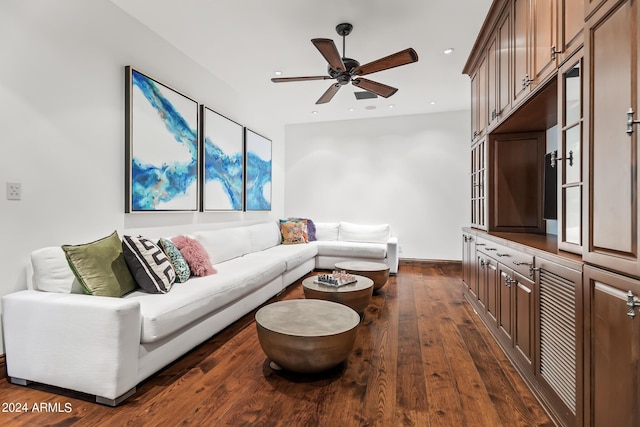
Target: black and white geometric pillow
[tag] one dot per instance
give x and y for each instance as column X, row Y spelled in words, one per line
column 149, row 264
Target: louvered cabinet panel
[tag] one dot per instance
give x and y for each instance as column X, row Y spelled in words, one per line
column 559, row 337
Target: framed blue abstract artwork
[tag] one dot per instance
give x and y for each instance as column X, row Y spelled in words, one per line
column 162, row 150
column 258, row 172
column 222, row 155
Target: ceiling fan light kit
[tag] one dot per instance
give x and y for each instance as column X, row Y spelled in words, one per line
column 347, row 70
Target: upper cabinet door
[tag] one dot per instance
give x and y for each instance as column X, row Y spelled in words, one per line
column 611, row 90
column 521, row 84
column 544, row 28
column 503, row 67
column 570, row 25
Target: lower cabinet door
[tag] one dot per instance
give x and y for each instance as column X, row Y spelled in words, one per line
column 491, row 267
column 614, row 375
column 523, row 289
column 505, row 292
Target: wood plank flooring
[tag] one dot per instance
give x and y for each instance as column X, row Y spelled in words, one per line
column 422, row 358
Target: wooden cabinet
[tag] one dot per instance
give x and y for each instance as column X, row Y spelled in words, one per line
column 521, row 83
column 570, row 26
column 613, row 334
column 517, row 182
column 612, row 89
column 479, row 185
column 568, row 159
column 504, row 75
column 479, row 91
column 544, row 21
column 469, row 270
column 559, row 337
column 532, row 302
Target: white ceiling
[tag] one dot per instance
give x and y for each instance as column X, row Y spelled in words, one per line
column 243, row 42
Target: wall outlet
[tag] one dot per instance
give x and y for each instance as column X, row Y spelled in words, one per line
column 14, row 191
column 399, row 249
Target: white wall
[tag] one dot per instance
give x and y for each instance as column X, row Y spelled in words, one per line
column 409, row 171
column 62, row 124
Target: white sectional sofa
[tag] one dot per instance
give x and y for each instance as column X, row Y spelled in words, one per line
column 104, row 346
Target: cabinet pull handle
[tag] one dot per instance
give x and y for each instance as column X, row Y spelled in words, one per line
column 554, row 158
column 630, row 121
column 501, row 255
column 554, row 52
column 481, row 244
column 491, row 249
column 632, row 302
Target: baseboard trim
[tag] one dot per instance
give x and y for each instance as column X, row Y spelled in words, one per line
column 412, row 262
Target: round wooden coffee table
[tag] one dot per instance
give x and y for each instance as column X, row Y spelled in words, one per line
column 356, row 295
column 306, row 336
column 376, row 271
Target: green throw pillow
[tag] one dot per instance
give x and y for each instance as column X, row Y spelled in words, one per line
column 100, row 267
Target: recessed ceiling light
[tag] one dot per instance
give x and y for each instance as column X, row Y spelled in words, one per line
column 433, row 103
column 370, row 107
column 448, row 51
column 391, row 106
column 351, row 109
column 314, row 112
column 277, row 73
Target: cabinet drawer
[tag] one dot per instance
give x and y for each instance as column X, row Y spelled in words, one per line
column 514, row 259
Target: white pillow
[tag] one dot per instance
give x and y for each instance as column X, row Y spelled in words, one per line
column 364, row 233
column 51, row 271
column 225, row 244
column 264, row 236
column 326, row 230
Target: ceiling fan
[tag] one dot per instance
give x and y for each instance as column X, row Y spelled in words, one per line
column 346, row 70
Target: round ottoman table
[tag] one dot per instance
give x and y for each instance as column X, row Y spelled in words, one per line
column 306, row 336
column 356, row 295
column 376, row 271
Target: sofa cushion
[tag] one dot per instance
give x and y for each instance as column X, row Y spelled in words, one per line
column 100, row 267
column 292, row 255
column 180, row 265
column 263, row 236
column 364, row 233
column 225, row 244
column 352, row 249
column 165, row 314
column 195, row 255
column 327, row 230
column 149, row 265
column 293, row 232
column 51, row 271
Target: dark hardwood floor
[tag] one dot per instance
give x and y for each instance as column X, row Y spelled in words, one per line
column 422, row 358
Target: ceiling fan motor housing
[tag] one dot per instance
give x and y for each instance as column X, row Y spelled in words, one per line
column 344, row 77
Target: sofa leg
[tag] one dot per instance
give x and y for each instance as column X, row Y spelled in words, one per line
column 20, row 381
column 118, row 400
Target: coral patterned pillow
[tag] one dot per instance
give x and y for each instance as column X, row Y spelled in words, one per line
column 293, row 232
column 195, row 255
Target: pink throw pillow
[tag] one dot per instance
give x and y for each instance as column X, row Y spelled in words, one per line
column 195, row 254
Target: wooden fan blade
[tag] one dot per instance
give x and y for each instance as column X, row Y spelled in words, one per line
column 299, row 79
column 328, row 95
column 397, row 59
column 375, row 87
column 330, row 52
